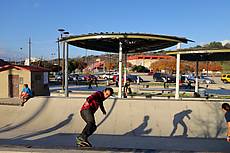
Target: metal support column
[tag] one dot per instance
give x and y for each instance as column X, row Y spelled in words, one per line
column 177, row 73
column 58, row 54
column 120, row 71
column 125, row 68
column 63, row 66
column 66, row 69
column 197, row 83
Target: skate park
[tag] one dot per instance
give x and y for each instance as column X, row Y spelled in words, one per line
column 192, row 125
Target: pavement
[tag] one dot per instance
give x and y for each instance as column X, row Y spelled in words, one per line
column 122, row 144
column 10, row 101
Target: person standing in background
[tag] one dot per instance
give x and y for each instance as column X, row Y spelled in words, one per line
column 226, row 109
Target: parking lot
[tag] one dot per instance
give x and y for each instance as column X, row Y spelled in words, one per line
column 217, row 89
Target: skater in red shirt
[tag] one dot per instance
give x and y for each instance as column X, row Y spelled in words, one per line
column 88, row 109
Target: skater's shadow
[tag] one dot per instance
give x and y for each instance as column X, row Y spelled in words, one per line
column 36, row 113
column 109, row 112
column 179, row 119
column 140, row 130
column 54, row 128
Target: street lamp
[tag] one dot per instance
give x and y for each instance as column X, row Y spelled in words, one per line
column 62, row 31
column 21, row 59
column 66, row 32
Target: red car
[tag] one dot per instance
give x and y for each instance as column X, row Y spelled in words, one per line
column 87, row 77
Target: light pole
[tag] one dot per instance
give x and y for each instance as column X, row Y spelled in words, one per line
column 29, row 51
column 64, row 61
column 21, row 59
column 62, row 31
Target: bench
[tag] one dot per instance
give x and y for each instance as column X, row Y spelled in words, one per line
column 170, row 90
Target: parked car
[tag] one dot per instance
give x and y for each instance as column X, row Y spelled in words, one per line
column 187, row 78
column 162, row 77
column 115, row 78
column 191, row 79
column 225, row 78
column 81, row 77
column 130, row 78
column 109, row 75
column 87, row 77
column 206, row 80
column 157, row 77
column 134, row 78
column 58, row 77
column 73, row 77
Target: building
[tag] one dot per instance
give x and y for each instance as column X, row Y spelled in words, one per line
column 98, row 66
column 13, row 77
column 146, row 60
column 32, row 60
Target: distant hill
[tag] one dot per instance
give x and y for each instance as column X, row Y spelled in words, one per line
column 2, row 62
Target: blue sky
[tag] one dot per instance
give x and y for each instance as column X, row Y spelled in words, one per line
column 200, row 20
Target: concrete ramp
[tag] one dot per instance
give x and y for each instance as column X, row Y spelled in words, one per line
column 129, row 124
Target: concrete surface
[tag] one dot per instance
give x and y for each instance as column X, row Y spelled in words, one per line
column 129, row 126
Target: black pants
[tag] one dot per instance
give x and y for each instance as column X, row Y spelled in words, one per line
column 90, row 127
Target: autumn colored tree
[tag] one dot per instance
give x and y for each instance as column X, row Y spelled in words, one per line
column 129, row 64
column 211, row 66
column 169, row 65
column 80, row 64
column 109, row 65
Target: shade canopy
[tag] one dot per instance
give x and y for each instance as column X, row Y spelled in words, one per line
column 203, row 55
column 131, row 42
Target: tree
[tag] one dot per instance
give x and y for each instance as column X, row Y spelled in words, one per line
column 227, row 45
column 71, row 66
column 129, row 64
column 109, row 65
column 140, row 68
column 214, row 45
column 80, row 64
column 169, row 65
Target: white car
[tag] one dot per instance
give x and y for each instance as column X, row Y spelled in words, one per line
column 109, row 75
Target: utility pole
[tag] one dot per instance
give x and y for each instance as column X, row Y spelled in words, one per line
column 29, row 51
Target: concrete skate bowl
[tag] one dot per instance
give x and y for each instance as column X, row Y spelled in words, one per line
column 133, row 124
